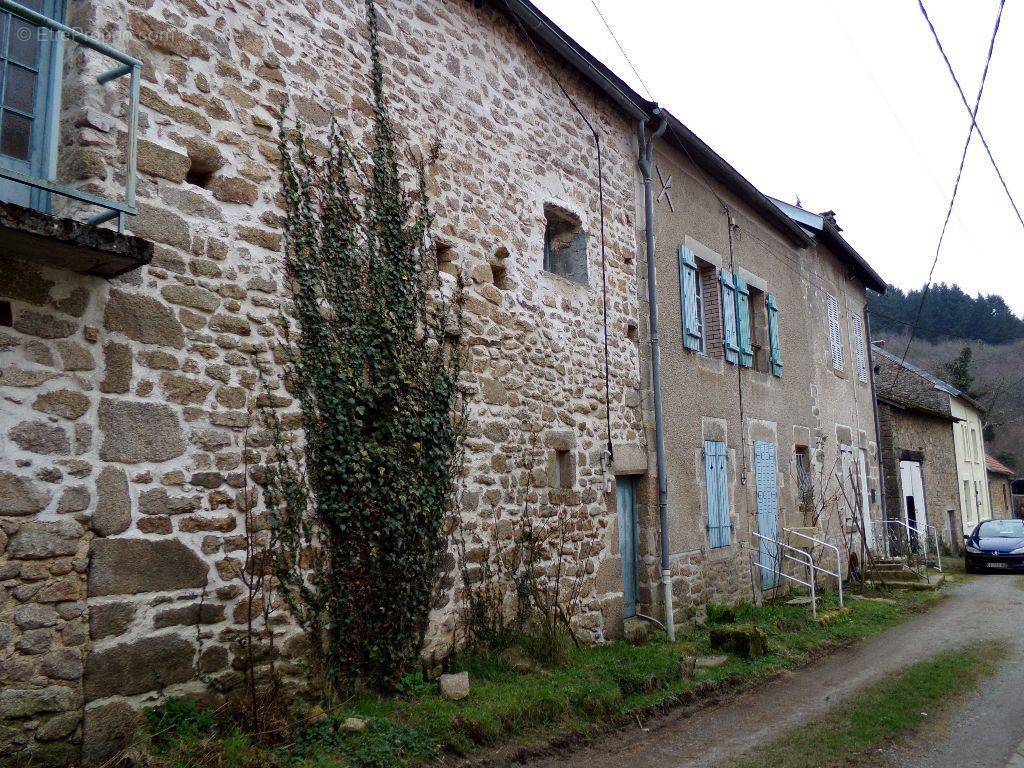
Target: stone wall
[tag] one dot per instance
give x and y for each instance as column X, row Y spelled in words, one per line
column 123, row 492
column 927, row 438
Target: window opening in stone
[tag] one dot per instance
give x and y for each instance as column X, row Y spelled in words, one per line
column 6, row 315
column 565, row 245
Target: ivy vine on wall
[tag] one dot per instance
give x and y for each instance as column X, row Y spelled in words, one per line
column 363, row 503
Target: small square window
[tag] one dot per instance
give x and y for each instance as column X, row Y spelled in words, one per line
column 565, row 245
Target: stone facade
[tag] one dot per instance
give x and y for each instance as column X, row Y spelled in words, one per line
column 926, row 437
column 126, row 404
column 812, row 409
column 928, row 421
column 1000, row 492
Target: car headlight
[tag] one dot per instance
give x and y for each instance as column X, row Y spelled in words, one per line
column 973, row 550
column 1018, row 551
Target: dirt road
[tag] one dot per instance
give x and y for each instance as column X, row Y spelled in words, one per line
column 985, row 734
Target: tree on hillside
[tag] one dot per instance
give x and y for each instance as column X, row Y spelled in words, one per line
column 996, row 398
column 959, row 372
column 948, row 312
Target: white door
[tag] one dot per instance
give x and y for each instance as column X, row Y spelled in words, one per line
column 913, row 496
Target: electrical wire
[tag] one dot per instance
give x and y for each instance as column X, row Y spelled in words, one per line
column 963, row 98
column 621, row 49
column 960, row 170
column 600, row 193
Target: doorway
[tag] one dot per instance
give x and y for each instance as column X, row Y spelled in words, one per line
column 625, row 509
column 766, row 478
column 914, row 513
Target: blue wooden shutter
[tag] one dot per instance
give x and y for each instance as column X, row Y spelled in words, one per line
column 732, row 350
column 743, row 322
column 766, row 479
column 717, row 478
column 773, row 335
column 688, row 298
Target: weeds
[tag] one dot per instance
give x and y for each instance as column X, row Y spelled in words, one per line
column 594, row 688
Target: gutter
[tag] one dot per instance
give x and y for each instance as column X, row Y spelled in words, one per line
column 644, row 160
column 637, row 107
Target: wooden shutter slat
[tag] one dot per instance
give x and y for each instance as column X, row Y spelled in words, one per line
column 774, row 341
column 732, row 350
column 688, row 298
column 743, row 340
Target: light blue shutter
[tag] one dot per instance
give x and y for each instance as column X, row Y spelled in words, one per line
column 743, row 322
column 732, row 350
column 766, row 479
column 688, row 298
column 773, row 335
column 717, row 478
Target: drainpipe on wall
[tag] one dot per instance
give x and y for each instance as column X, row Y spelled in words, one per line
column 878, row 422
column 646, row 155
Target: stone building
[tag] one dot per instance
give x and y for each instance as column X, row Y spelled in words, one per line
column 768, row 417
column 930, row 471
column 127, row 354
column 127, row 359
column 1000, row 478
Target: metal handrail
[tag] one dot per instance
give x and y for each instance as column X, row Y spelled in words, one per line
column 804, row 559
column 938, row 551
column 838, row 573
column 923, row 536
column 128, row 65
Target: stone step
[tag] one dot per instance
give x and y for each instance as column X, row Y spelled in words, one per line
column 929, row 582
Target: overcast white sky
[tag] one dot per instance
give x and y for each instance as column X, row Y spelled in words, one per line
column 786, row 91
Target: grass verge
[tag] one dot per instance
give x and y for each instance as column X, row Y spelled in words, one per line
column 597, row 689
column 898, row 707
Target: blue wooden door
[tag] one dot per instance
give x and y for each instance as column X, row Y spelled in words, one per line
column 625, row 498
column 28, row 86
column 766, row 478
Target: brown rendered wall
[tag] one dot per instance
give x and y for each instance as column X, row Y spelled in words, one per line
column 811, row 405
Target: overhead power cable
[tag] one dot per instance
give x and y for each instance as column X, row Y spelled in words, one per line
column 600, row 197
column 963, row 98
column 959, row 174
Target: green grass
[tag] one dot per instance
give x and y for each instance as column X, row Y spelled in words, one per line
column 597, row 688
column 882, row 714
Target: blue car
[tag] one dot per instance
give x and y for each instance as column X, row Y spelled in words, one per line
column 995, row 545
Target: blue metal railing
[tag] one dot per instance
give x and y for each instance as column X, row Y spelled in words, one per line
column 127, row 66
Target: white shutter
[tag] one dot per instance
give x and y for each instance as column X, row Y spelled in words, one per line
column 835, row 339
column 859, row 349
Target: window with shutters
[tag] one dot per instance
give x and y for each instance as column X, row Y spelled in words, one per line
column 711, row 303
column 717, row 478
column 834, row 335
column 759, row 330
column 859, row 349
column 690, row 301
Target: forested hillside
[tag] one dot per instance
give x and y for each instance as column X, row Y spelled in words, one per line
column 948, row 313
column 997, row 371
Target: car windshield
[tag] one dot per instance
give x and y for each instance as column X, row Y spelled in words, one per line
column 1001, row 529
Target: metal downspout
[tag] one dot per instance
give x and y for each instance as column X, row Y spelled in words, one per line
column 646, row 146
column 878, row 425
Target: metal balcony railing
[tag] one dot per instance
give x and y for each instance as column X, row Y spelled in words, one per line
column 126, row 66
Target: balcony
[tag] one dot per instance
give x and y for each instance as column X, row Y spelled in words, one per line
column 47, row 214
